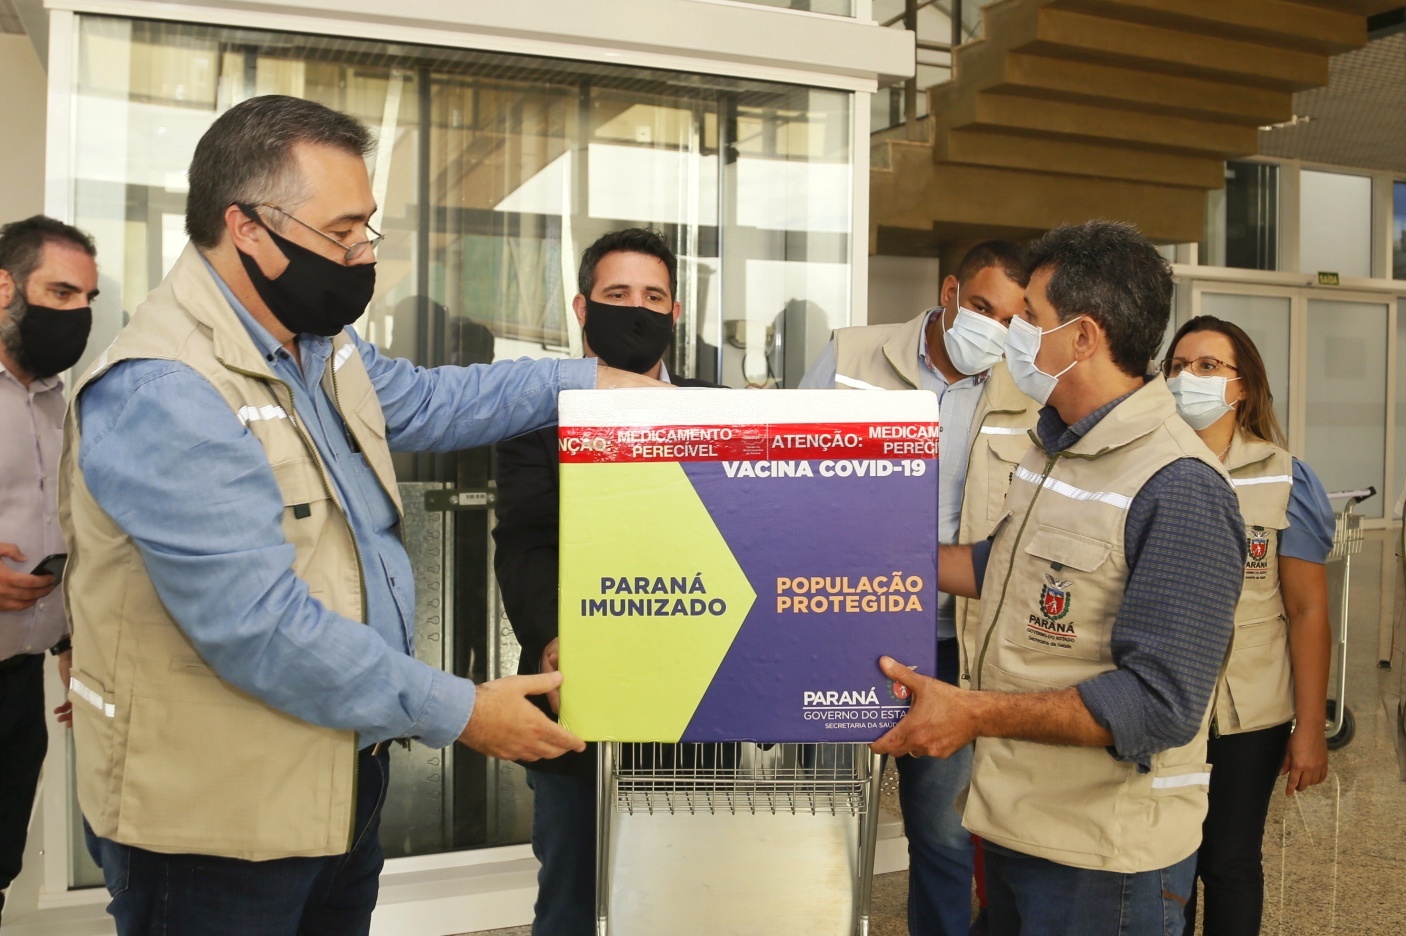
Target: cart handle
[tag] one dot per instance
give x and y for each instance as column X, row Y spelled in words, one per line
column 1357, row 497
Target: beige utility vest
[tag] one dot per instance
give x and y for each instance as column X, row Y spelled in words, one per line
column 170, row 757
column 885, row 357
column 1054, row 585
column 1256, row 690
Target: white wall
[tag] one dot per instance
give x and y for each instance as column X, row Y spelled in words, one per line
column 22, row 108
column 901, row 287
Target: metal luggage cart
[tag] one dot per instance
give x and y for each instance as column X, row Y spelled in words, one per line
column 735, row 838
column 1347, row 542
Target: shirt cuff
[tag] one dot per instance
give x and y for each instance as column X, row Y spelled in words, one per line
column 446, row 712
column 578, row 374
column 981, row 555
column 1115, row 701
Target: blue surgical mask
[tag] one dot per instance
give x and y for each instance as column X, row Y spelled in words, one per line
column 975, row 342
column 1022, row 346
column 1200, row 400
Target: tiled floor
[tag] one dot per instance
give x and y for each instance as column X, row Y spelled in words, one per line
column 1335, row 856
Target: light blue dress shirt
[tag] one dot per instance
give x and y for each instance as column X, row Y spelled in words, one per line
column 167, row 459
column 957, row 404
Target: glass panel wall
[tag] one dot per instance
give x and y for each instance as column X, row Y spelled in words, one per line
column 492, row 173
column 1242, row 220
column 939, row 25
column 1393, row 491
column 1346, row 394
column 1335, row 223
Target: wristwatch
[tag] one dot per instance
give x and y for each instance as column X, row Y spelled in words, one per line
column 63, row 646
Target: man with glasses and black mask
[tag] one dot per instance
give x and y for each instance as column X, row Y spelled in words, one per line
column 955, row 351
column 626, row 308
column 242, row 602
column 48, row 278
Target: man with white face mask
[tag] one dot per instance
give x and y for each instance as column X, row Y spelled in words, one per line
column 955, row 351
column 1109, row 590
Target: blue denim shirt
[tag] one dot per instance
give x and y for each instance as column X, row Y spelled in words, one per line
column 167, row 459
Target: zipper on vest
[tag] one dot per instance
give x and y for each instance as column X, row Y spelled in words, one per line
column 1010, row 567
column 356, row 548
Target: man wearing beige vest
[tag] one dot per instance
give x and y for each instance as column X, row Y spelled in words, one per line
column 1108, row 596
column 954, row 351
column 241, row 600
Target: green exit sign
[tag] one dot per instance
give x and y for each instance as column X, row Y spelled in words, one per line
column 1328, row 279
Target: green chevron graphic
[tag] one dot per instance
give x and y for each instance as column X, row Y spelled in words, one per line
column 639, row 675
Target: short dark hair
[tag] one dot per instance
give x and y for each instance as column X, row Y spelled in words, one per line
column 22, row 243
column 1010, row 257
column 629, row 240
column 246, row 157
column 1110, row 272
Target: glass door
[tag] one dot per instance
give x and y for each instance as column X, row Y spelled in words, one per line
column 1346, row 395
column 1329, row 355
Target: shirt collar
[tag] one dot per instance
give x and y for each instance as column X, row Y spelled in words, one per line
column 37, row 385
column 926, row 364
column 1055, row 436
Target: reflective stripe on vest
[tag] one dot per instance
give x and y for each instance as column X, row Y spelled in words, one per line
column 1121, row 501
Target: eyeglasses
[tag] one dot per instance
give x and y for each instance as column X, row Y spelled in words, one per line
column 1199, row 367
column 353, row 250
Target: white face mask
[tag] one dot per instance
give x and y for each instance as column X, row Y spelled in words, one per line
column 1200, row 400
column 975, row 342
column 1022, row 345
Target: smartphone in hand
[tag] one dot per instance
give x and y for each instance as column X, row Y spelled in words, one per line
column 52, row 565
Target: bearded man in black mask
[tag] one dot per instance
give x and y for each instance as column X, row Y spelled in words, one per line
column 626, row 307
column 241, row 596
column 48, row 277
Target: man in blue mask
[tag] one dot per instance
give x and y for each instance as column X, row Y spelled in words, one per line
column 242, row 599
column 955, row 351
column 626, row 307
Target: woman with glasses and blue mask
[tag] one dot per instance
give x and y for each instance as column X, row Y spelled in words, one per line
column 1269, row 705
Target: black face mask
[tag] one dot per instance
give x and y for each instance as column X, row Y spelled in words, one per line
column 313, row 294
column 50, row 340
column 631, row 338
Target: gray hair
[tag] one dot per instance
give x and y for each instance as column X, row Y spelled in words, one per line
column 246, row 158
column 1110, row 272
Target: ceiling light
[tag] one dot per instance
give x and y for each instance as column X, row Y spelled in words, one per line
column 1291, row 122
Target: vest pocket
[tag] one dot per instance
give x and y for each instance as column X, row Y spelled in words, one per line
column 94, row 722
column 1257, row 674
column 1004, row 452
column 306, row 504
column 1064, row 608
column 1181, row 780
column 271, row 774
column 1047, row 799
